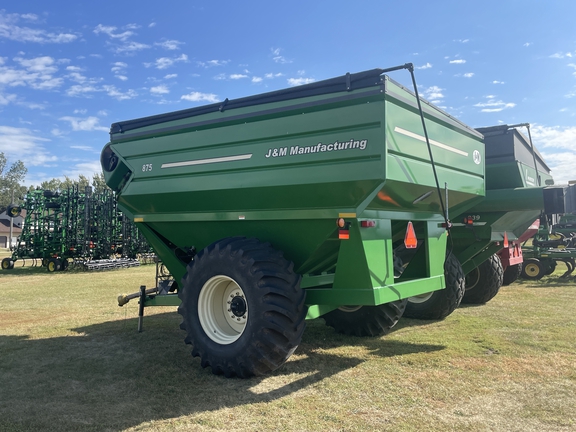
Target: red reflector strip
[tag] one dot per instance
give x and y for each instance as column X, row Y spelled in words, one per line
column 505, row 239
column 410, row 240
column 343, row 234
column 367, row 224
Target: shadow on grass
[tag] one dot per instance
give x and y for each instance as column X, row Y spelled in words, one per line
column 24, row 268
column 109, row 377
column 551, row 281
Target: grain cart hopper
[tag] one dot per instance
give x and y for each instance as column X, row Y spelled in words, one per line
column 516, row 176
column 486, row 237
column 290, row 204
column 513, row 201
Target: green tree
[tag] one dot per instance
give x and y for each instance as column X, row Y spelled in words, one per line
column 10, row 182
column 53, row 185
column 97, row 183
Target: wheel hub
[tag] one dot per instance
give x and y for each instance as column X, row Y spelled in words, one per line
column 238, row 306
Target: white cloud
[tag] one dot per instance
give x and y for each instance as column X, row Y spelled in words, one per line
column 279, row 58
column 256, row 79
column 82, row 147
column 87, row 169
column 497, row 82
column 159, row 90
column 170, row 76
column 468, row 75
column 130, row 47
column 82, row 90
column 166, row 62
column 493, row 105
column 272, row 75
column 527, row 44
column 37, row 73
column 555, row 137
column 110, row 31
column 119, row 41
column 300, row 81
column 200, row 97
column 118, row 66
column 5, row 99
column 10, row 29
column 223, row 76
column 462, row 40
column 562, row 165
column 112, row 91
column 23, row 144
column 458, row 61
column 426, row 66
column 560, row 55
column 84, row 124
column 170, row 44
column 213, row 63
column 434, row 94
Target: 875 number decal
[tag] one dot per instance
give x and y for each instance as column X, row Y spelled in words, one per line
column 146, row 167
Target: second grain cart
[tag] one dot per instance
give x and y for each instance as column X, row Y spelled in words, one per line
column 329, row 199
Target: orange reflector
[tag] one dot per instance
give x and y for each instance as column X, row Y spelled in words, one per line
column 343, row 234
column 340, row 223
column 505, row 239
column 410, row 240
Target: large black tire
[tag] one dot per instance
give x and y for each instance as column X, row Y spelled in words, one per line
column 437, row 305
column 532, row 269
column 7, row 264
column 242, row 307
column 484, row 282
column 511, row 274
column 366, row 320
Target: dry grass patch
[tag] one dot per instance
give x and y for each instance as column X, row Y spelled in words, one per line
column 70, row 359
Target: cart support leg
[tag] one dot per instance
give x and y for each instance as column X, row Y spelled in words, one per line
column 141, row 309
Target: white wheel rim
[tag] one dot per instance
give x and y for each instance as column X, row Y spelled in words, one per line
column 222, row 309
column 421, row 298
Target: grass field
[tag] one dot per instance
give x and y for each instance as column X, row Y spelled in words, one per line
column 72, row 360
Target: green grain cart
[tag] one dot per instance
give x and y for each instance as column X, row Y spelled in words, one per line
column 328, row 200
column 486, row 236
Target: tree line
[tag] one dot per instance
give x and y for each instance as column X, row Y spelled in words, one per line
column 12, row 179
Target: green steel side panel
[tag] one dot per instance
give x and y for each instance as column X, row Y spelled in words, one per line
column 285, row 171
column 514, row 175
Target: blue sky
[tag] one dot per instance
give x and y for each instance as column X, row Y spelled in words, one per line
column 70, row 69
